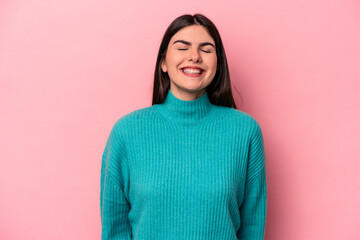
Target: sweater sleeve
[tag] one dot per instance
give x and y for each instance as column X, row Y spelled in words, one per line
column 114, row 204
column 254, row 204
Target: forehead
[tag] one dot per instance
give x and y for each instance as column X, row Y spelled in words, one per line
column 193, row 33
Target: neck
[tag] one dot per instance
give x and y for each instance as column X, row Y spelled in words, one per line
column 186, row 113
column 186, row 96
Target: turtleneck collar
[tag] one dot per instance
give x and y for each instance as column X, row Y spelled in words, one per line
column 186, row 113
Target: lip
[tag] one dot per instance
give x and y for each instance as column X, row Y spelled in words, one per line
column 193, row 74
column 193, row 67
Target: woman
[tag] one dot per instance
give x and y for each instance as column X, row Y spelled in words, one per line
column 191, row 166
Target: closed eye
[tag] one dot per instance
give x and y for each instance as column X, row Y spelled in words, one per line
column 183, row 49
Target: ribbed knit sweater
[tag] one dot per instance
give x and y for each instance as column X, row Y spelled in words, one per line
column 187, row 170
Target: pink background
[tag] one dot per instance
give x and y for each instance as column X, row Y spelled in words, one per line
column 70, row 69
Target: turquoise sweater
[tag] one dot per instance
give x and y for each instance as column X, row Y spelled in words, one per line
column 184, row 170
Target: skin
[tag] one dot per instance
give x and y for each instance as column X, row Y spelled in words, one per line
column 179, row 55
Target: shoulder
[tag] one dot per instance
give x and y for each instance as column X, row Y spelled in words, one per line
column 132, row 119
column 135, row 115
column 237, row 118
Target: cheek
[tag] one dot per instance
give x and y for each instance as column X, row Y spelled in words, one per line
column 212, row 63
column 174, row 59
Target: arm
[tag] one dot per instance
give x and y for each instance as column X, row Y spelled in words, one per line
column 114, row 205
column 254, row 205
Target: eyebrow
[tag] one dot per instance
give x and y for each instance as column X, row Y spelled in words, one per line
column 188, row 43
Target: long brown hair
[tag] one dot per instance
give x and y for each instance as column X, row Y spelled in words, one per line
column 219, row 90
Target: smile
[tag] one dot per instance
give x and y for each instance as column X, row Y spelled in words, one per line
column 191, row 72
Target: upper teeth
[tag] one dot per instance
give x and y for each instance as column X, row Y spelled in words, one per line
column 191, row 70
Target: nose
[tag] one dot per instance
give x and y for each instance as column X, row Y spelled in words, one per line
column 194, row 56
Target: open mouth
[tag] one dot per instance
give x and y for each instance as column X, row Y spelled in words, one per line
column 192, row 71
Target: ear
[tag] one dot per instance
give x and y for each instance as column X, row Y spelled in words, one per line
column 163, row 66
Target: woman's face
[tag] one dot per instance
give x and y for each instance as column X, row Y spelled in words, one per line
column 190, row 62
